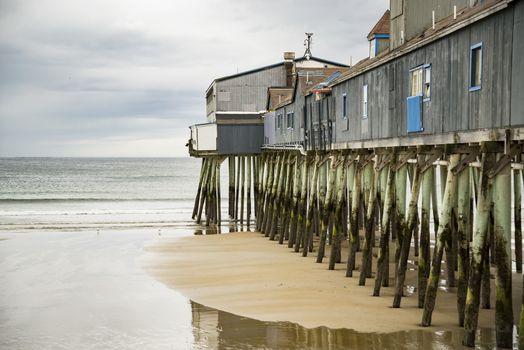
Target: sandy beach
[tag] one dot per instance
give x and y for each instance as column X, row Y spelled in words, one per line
column 244, row 273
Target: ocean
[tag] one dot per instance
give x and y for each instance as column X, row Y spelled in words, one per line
column 77, row 193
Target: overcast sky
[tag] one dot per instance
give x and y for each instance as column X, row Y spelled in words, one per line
column 127, row 78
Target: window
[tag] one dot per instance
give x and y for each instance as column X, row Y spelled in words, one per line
column 427, row 82
column 279, row 121
column 365, row 101
column 416, row 82
column 372, row 48
column 291, row 120
column 475, row 66
column 344, row 106
column 420, row 82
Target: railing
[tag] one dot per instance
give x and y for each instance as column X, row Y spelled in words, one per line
column 204, row 137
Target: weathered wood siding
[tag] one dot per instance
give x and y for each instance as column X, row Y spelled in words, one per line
column 452, row 107
column 240, row 138
column 517, row 65
column 248, row 93
column 288, row 134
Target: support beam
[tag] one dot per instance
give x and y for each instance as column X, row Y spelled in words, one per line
column 502, row 247
column 383, row 255
column 478, row 249
column 440, row 241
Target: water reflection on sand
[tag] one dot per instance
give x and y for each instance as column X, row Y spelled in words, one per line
column 217, row 329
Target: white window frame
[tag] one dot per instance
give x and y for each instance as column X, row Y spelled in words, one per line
column 365, row 101
column 373, row 48
column 423, row 84
column 279, row 121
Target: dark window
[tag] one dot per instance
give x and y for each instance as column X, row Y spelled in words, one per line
column 475, row 66
column 291, row 120
column 344, row 106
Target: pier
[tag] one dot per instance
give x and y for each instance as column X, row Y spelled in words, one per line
column 412, row 155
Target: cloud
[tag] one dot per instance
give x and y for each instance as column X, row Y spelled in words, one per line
column 127, row 77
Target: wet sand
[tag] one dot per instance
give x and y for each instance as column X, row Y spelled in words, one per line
column 245, row 274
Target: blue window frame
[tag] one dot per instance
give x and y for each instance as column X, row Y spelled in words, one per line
column 475, row 67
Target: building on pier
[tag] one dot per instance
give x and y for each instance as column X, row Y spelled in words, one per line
column 457, row 79
column 235, row 105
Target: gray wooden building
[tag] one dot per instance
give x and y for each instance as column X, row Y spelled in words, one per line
column 236, row 104
column 457, row 79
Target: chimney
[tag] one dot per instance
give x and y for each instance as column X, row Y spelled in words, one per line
column 289, row 63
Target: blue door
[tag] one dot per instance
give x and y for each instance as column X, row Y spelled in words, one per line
column 415, row 114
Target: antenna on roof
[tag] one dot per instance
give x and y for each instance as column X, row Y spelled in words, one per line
column 307, row 43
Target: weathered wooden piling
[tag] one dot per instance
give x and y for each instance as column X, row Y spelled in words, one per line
column 256, row 177
column 301, row 208
column 272, row 189
column 218, row 196
column 406, row 237
column 286, row 202
column 203, row 197
column 517, row 212
column 294, row 206
column 434, row 200
column 201, row 179
column 424, row 258
column 262, row 174
column 365, row 269
column 237, row 188
column 337, row 217
column 231, row 194
column 277, row 206
column 478, row 250
column 325, row 204
column 242, row 187
column 521, row 323
column 383, row 255
column 400, row 205
column 502, row 246
column 311, row 205
column 463, row 216
column 209, row 192
column 440, row 241
column 355, row 210
column 248, row 195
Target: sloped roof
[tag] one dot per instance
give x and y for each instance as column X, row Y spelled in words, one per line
column 444, row 27
column 307, row 78
column 300, row 59
column 278, row 95
column 382, row 26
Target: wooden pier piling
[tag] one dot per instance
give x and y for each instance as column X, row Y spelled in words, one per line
column 355, row 211
column 383, row 255
column 478, row 251
column 502, row 247
column 440, row 241
column 463, row 217
column 337, row 216
column 406, row 237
